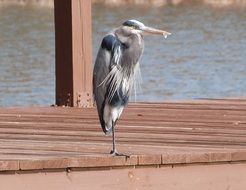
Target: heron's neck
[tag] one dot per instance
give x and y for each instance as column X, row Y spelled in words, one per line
column 129, row 39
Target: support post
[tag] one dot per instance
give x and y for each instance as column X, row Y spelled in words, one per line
column 73, row 53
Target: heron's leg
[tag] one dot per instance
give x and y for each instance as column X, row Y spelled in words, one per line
column 113, row 136
column 114, row 152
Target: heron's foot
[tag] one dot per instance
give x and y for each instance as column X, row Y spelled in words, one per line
column 116, row 153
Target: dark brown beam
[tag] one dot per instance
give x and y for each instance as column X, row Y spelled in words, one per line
column 73, row 53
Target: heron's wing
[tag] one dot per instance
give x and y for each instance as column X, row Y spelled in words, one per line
column 104, row 63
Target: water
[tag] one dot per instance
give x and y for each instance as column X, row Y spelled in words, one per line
column 203, row 58
column 26, row 56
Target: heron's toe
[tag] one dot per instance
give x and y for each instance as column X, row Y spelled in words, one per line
column 115, row 153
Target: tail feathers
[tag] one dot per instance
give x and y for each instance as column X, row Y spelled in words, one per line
column 106, row 129
column 109, row 116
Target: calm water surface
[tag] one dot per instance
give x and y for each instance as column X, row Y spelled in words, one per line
column 204, row 58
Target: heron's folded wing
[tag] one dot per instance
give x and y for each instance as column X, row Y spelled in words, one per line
column 104, row 63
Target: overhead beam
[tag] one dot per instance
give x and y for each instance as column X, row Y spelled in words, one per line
column 73, row 53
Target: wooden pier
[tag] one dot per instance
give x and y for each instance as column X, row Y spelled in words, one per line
column 164, row 140
column 182, row 145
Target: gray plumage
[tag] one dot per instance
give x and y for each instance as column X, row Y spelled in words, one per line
column 116, row 70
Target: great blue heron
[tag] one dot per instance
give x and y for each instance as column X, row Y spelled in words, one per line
column 115, row 70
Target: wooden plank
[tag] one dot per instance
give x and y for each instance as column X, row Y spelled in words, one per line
column 82, row 53
column 202, row 177
column 200, row 131
column 63, row 44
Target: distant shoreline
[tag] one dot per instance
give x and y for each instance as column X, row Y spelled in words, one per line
column 50, row 3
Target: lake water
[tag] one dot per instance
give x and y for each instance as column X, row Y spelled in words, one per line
column 205, row 57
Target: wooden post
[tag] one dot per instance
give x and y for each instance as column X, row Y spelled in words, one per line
column 73, row 53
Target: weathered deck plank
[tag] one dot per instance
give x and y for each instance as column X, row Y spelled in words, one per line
column 153, row 133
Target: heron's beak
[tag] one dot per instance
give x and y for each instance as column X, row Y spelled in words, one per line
column 149, row 30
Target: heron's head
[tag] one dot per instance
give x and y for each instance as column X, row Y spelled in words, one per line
column 134, row 26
